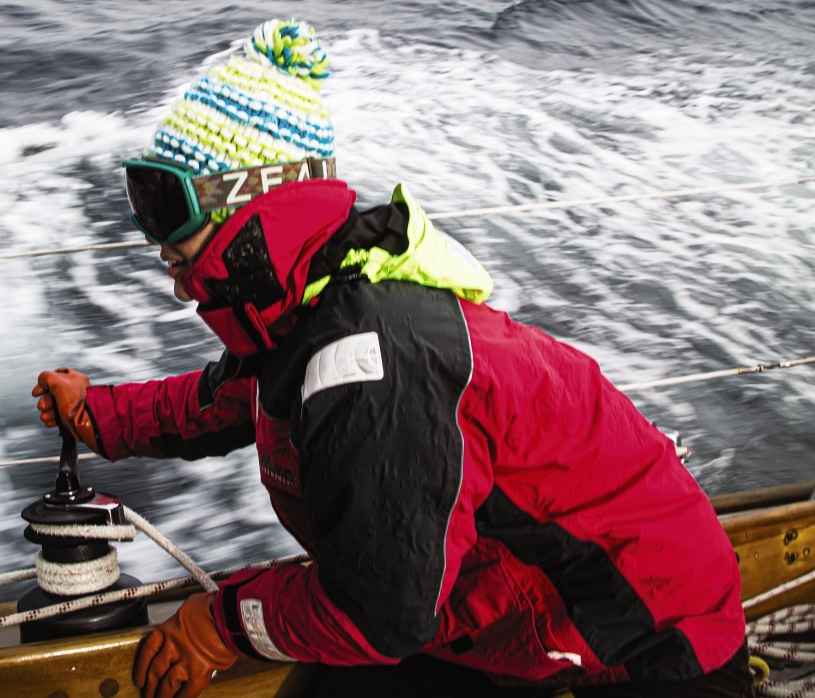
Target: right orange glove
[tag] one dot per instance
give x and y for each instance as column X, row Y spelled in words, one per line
column 180, row 656
column 62, row 392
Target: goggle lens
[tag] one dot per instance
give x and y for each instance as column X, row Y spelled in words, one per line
column 158, row 201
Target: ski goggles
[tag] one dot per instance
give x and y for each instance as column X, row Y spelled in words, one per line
column 170, row 202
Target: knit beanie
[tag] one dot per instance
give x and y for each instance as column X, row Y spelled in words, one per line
column 259, row 108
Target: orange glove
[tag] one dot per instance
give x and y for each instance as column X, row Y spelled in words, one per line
column 62, row 392
column 179, row 657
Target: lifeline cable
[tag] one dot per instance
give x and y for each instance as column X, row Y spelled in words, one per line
column 520, row 208
column 758, row 368
column 676, row 193
column 629, row 387
column 136, row 592
column 45, row 459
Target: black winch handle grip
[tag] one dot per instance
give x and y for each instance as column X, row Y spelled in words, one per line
column 68, row 474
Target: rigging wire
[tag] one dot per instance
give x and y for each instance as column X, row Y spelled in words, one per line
column 758, row 368
column 45, row 459
column 520, row 208
column 71, row 250
column 145, row 590
column 626, row 388
column 676, row 193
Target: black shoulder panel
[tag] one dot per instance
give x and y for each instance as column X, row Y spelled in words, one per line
column 381, row 460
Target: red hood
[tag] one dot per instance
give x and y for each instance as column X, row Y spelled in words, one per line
column 252, row 274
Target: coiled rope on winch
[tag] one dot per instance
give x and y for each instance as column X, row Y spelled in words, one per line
column 88, row 577
column 145, row 590
column 70, row 579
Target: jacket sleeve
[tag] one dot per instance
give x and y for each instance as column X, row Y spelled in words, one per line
column 381, row 466
column 193, row 415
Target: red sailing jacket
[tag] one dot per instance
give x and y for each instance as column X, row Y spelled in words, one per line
column 467, row 485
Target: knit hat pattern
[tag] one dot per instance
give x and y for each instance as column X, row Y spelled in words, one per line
column 262, row 107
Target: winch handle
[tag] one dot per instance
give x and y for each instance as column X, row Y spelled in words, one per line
column 68, row 474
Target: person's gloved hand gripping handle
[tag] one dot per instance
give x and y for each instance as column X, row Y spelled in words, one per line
column 178, row 658
column 62, row 394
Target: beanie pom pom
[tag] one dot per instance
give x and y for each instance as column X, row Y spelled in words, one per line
column 291, row 46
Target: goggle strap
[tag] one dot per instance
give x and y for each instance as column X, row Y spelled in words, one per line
column 238, row 187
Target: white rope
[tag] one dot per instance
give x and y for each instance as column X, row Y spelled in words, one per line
column 780, row 589
column 45, row 459
column 800, row 618
column 163, row 542
column 18, row 576
column 716, row 374
column 785, row 651
column 74, row 578
column 71, row 250
column 85, row 577
column 520, row 208
column 71, row 579
column 135, row 592
column 109, row 532
column 802, row 688
column 785, row 621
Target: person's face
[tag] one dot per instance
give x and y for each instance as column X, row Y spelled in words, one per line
column 180, row 256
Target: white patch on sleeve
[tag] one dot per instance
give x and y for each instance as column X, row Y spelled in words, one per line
column 255, row 626
column 353, row 359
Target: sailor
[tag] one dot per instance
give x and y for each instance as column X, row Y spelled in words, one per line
column 473, row 492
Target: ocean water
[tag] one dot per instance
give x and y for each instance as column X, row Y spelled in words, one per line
column 471, row 104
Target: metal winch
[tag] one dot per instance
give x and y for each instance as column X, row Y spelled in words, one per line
column 73, row 563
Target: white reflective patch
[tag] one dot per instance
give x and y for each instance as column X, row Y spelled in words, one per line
column 351, row 359
column 255, row 626
column 575, row 659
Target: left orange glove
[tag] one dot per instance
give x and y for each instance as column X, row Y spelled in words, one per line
column 62, row 392
column 179, row 657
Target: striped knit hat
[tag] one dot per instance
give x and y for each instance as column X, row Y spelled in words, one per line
column 259, row 108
